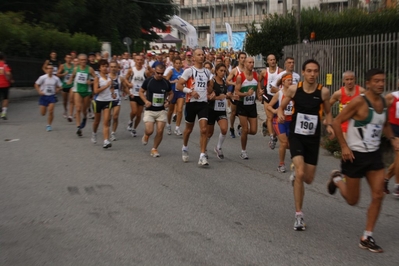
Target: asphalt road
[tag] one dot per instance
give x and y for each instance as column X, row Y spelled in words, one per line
column 65, row 201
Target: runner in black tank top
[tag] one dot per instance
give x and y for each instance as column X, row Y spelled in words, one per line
column 304, row 137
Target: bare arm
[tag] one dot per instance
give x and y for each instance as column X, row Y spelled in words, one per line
column 45, row 65
column 287, row 98
column 325, row 95
column 169, row 75
column 272, row 102
column 230, row 77
column 147, row 103
column 336, row 97
column 60, row 73
column 72, row 76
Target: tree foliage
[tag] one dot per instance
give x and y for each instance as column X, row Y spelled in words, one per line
column 108, row 20
column 277, row 30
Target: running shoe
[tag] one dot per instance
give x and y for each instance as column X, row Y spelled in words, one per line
column 113, row 136
column 396, row 191
column 65, row 115
column 48, row 128
column 144, row 139
column 264, row 129
column 133, row 133
column 292, row 176
column 79, row 132
column 244, row 155
column 370, row 244
column 386, row 185
column 184, row 155
column 232, row 134
column 4, row 116
column 239, row 130
column 90, row 115
column 203, row 161
column 331, row 187
column 107, row 144
column 178, row 132
column 281, row 168
column 174, row 118
column 272, row 143
column 129, row 126
column 219, row 153
column 299, row 224
column 70, row 119
column 155, row 153
column 83, row 123
column 169, row 130
column 94, row 138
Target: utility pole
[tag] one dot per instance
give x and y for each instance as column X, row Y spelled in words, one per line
column 296, row 5
column 285, row 8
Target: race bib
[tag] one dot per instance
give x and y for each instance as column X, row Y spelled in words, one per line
column 288, row 109
column 55, row 70
column 200, row 86
column 81, row 78
column 373, row 133
column 220, row 105
column 306, row 124
column 50, row 89
column 136, row 90
column 158, row 99
column 67, row 77
column 397, row 110
column 249, row 100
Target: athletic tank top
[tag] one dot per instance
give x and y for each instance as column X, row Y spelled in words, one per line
column 307, row 112
column 345, row 98
column 237, row 74
column 116, row 83
column 198, row 81
column 288, row 110
column 218, row 105
column 138, row 79
column 394, row 109
column 246, row 86
column 175, row 75
column 55, row 65
column 81, row 78
column 105, row 95
column 268, row 79
column 65, row 79
column 365, row 136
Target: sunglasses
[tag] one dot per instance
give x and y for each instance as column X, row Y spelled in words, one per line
column 159, row 73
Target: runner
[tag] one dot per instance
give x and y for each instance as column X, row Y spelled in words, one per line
column 53, row 61
column 309, row 98
column 196, row 78
column 94, row 58
column 5, row 83
column 81, row 77
column 157, row 94
column 246, row 86
column 217, row 107
column 103, row 103
column 289, row 65
column 117, row 82
column 137, row 75
column 231, row 80
column 282, row 130
column 393, row 119
column 266, row 92
column 177, row 103
column 48, row 86
column 72, row 94
column 346, row 94
column 361, row 154
column 64, row 73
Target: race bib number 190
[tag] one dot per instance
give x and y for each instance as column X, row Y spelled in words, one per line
column 306, row 124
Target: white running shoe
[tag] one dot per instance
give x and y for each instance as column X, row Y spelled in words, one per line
column 169, row 130
column 113, row 137
column 203, row 161
column 299, row 224
column 107, row 144
column 244, row 155
column 93, row 138
column 184, row 155
column 178, row 132
column 134, row 133
column 129, row 126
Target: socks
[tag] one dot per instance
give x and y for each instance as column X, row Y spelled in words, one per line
column 4, row 109
column 366, row 234
column 202, row 154
column 221, row 140
column 185, row 148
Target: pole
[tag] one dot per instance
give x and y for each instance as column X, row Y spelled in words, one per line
column 285, row 7
column 296, row 5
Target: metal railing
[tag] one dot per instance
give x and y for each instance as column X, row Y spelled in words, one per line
column 358, row 54
column 25, row 71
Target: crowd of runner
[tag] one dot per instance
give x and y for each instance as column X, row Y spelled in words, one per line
column 215, row 88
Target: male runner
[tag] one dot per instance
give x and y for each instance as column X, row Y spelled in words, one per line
column 309, row 98
column 5, row 83
column 361, row 154
column 64, row 73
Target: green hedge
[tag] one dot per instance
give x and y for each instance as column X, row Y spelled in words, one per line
column 277, row 30
column 24, row 40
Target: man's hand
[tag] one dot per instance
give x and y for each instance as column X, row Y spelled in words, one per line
column 347, row 154
column 147, row 104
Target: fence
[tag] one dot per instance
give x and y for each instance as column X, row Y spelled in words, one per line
column 25, row 71
column 358, row 54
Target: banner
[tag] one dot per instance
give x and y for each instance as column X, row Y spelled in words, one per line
column 212, row 40
column 187, row 29
column 221, row 40
column 229, row 35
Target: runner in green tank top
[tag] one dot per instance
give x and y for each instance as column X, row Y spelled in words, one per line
column 64, row 73
column 81, row 77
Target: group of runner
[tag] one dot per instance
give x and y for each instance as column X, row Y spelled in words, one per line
column 209, row 90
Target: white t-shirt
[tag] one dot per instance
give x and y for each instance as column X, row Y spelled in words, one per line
column 105, row 95
column 197, row 80
column 48, row 85
column 295, row 78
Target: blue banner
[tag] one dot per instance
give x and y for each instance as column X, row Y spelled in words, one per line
column 222, row 41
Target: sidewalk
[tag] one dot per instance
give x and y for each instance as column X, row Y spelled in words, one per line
column 17, row 93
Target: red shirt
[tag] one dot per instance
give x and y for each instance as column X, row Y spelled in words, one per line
column 4, row 68
column 393, row 112
column 345, row 99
